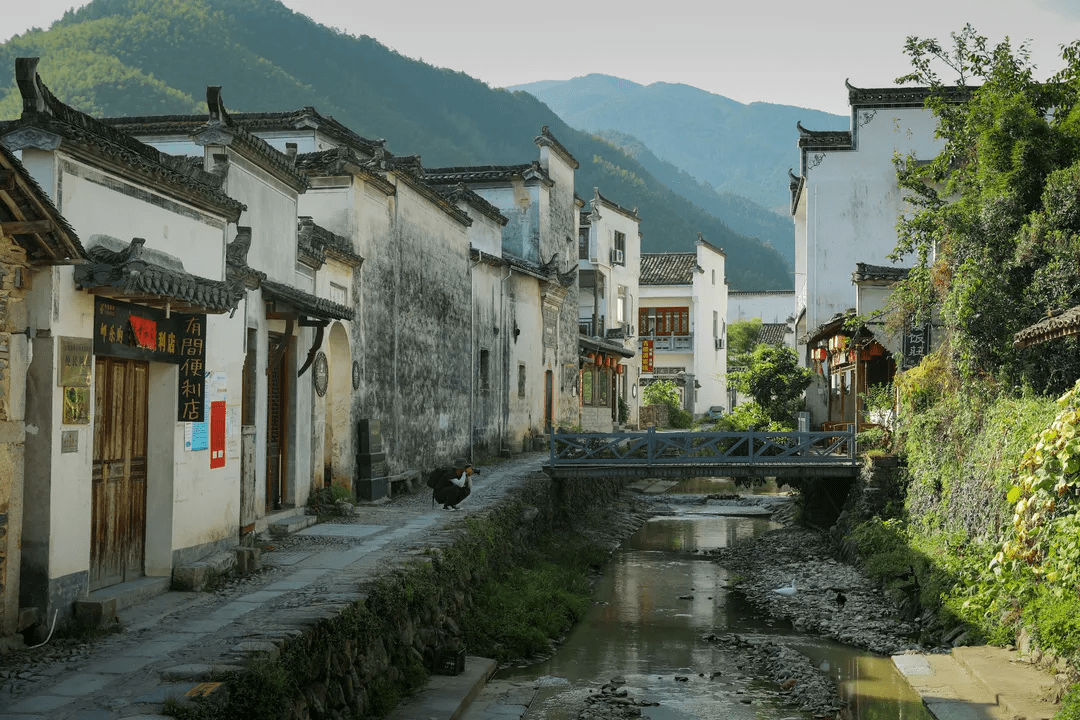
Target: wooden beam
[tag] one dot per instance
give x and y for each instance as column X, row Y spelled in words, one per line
column 27, row 227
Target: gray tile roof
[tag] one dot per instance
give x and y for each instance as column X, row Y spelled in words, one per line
column 774, row 333
column 481, row 173
column 900, row 96
column 253, row 122
column 152, row 277
column 24, row 200
column 317, row 243
column 461, row 193
column 218, row 120
column 49, row 114
column 865, row 272
column 668, row 268
column 305, row 302
column 1057, row 325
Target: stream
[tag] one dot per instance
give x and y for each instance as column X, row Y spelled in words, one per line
column 658, row 597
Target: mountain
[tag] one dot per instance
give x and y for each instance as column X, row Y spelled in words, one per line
column 741, row 214
column 742, row 149
column 139, row 57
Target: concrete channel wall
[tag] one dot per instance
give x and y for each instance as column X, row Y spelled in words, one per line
column 354, row 662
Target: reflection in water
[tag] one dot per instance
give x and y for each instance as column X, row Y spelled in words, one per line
column 656, row 600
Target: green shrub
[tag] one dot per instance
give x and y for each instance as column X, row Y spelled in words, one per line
column 1070, row 705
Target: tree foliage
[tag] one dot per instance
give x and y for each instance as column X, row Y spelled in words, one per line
column 994, row 219
column 742, row 337
column 773, row 378
column 666, row 392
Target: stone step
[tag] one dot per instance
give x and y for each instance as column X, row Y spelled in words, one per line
column 290, row 524
column 447, row 696
column 99, row 608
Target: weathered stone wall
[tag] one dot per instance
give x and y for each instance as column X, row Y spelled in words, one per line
column 13, row 274
column 343, row 662
column 414, row 298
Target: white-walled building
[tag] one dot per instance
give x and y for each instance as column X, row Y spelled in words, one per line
column 609, row 264
column 845, row 203
column 682, row 323
column 137, row 361
column 534, row 325
column 769, row 306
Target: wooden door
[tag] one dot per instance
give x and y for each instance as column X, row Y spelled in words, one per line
column 277, row 408
column 118, row 515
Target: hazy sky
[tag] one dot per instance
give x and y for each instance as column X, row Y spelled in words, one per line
column 795, row 52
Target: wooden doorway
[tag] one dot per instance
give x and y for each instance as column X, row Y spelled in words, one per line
column 118, row 499
column 277, row 421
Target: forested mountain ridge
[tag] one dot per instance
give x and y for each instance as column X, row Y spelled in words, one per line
column 146, row 57
column 736, row 148
column 741, row 214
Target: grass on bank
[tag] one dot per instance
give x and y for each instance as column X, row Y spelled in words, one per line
column 987, row 536
column 523, row 596
column 521, row 609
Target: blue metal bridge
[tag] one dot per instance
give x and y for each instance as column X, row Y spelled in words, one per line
column 788, row 456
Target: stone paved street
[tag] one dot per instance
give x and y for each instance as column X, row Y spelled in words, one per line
column 172, row 642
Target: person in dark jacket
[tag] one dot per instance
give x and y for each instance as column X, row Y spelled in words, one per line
column 451, row 485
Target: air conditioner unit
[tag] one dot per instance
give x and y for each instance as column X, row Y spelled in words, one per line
column 719, row 343
column 620, row 257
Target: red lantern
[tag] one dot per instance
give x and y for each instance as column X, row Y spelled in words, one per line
column 610, row 362
column 592, row 357
column 618, row 369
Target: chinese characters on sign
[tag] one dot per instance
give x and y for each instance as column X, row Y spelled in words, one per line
column 144, row 333
column 915, row 345
column 192, row 369
column 646, row 356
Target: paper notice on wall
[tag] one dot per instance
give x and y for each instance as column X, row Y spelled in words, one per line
column 215, row 386
column 232, row 432
column 197, row 434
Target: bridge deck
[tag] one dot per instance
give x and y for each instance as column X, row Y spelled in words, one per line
column 655, row 454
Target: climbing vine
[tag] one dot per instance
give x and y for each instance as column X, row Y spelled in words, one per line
column 1046, row 528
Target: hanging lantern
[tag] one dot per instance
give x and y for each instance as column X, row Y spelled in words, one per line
column 610, row 361
column 618, row 369
column 592, row 357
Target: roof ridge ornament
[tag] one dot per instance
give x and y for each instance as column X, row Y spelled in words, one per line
column 215, row 104
column 35, row 95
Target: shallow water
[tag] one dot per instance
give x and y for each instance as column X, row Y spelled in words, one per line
column 656, row 600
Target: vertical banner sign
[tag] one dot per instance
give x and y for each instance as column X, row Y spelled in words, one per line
column 916, row 344
column 192, row 382
column 647, row 356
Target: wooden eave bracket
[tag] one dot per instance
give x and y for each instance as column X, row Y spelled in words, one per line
column 320, row 326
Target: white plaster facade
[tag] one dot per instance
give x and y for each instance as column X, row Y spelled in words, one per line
column 112, row 189
column 609, row 265
column 697, row 282
column 845, row 204
column 769, row 306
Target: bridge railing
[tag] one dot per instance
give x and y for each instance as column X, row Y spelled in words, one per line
column 752, row 447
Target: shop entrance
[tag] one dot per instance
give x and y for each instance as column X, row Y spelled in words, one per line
column 118, row 516
column 277, row 415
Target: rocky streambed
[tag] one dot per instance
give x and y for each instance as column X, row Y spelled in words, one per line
column 789, row 576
